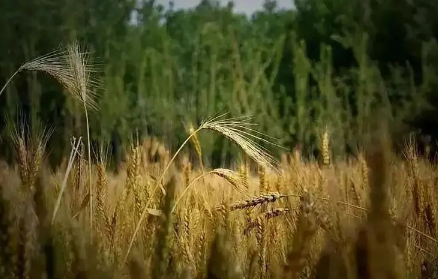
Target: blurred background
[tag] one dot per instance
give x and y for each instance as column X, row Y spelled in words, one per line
column 239, row 6
column 299, row 67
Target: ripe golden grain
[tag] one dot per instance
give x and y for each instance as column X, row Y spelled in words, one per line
column 325, row 148
column 196, row 144
column 257, row 200
column 265, row 216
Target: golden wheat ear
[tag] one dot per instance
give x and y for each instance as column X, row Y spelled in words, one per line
column 72, row 67
column 239, row 130
column 82, row 81
column 49, row 63
column 30, row 144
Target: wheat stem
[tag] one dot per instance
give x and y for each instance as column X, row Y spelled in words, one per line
column 187, row 188
column 90, row 185
column 73, row 154
column 9, row 80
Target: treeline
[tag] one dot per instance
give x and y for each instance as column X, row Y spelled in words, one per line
column 341, row 65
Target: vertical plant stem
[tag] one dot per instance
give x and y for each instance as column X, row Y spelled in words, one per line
column 143, row 214
column 91, row 192
column 73, row 154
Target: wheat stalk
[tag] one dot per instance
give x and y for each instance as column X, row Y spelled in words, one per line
column 81, row 69
column 49, row 63
column 73, row 153
column 230, row 176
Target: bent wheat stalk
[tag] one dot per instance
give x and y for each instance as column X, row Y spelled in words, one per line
column 237, row 130
column 49, row 63
column 73, row 153
column 229, row 175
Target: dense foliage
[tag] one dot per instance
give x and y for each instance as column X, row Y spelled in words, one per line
column 328, row 63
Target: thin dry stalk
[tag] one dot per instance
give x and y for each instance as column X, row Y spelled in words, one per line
column 73, row 153
column 230, row 176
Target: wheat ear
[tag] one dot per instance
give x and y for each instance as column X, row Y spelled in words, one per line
column 197, row 145
column 49, row 63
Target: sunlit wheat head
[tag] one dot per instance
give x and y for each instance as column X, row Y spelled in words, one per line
column 239, row 130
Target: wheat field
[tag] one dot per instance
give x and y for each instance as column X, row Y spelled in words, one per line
column 167, row 216
column 306, row 220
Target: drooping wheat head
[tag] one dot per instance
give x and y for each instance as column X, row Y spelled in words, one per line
column 196, row 144
column 232, row 177
column 239, row 131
